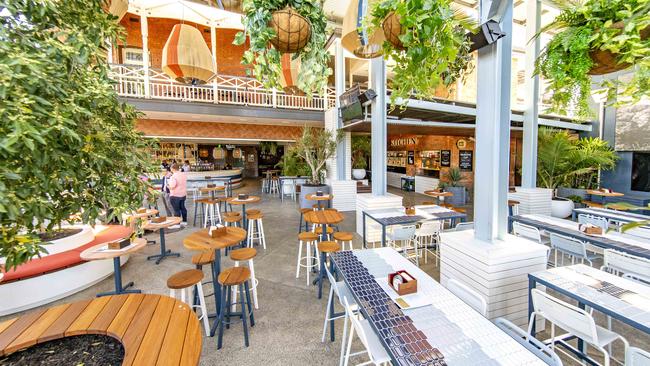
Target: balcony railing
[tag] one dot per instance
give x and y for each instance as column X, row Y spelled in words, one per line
column 224, row 89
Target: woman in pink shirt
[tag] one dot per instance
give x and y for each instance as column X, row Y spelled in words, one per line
column 178, row 192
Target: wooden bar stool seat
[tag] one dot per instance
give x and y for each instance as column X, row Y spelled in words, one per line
column 325, row 248
column 232, row 213
column 186, row 280
column 308, row 235
column 243, row 254
column 203, row 258
column 231, row 279
column 343, row 238
column 252, row 211
column 255, row 216
column 319, row 231
column 234, row 276
column 232, row 220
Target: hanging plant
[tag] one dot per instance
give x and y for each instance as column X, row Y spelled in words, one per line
column 275, row 27
column 596, row 37
column 427, row 40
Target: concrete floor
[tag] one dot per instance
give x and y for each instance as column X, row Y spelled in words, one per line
column 290, row 319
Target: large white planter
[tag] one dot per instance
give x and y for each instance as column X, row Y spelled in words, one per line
column 358, row 174
column 561, row 207
column 71, row 242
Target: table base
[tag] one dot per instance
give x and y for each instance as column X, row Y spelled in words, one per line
column 119, row 288
column 164, row 253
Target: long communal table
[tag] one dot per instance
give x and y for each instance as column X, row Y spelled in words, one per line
column 612, row 240
column 397, row 216
column 444, row 332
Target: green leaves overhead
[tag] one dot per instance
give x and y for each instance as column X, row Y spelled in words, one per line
column 436, row 50
column 67, row 144
column 265, row 59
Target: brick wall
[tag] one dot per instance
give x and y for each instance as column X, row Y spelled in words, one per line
column 228, row 55
column 153, row 127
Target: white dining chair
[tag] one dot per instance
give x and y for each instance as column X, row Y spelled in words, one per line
column 601, row 222
column 427, row 238
column 528, row 232
column 571, row 247
column 461, row 226
column 575, row 321
column 373, row 347
column 620, row 263
column 468, row 295
column 341, row 290
column 402, row 238
column 541, row 350
column 637, row 357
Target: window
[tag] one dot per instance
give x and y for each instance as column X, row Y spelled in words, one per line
column 133, row 56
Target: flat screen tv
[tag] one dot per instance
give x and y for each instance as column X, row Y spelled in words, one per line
column 641, row 172
column 351, row 109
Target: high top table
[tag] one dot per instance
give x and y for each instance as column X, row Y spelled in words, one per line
column 160, row 227
column 319, row 199
column 438, row 195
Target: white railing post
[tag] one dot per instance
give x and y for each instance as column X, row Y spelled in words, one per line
column 275, row 98
column 325, row 99
column 144, row 28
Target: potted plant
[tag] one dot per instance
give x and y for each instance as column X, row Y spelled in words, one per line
column 596, row 37
column 275, row 27
column 315, row 146
column 452, row 184
column 562, row 159
column 428, row 42
column 360, row 153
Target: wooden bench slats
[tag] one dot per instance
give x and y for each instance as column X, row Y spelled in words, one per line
column 58, row 328
column 16, row 328
column 83, row 321
column 136, row 331
column 193, row 341
column 175, row 336
column 105, row 318
column 30, row 335
column 123, row 319
column 5, row 324
column 151, row 343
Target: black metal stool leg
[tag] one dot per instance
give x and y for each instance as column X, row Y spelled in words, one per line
column 222, row 310
column 320, row 275
column 248, row 300
column 243, row 310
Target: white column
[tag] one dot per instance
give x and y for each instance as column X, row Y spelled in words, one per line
column 493, row 132
column 144, row 29
column 379, row 129
column 213, row 44
column 342, row 158
column 531, row 87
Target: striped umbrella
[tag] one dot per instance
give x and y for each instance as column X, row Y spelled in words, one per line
column 289, row 76
column 186, row 57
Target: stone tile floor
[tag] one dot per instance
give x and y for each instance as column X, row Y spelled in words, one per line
column 289, row 322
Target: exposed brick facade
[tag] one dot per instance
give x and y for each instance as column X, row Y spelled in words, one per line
column 154, row 127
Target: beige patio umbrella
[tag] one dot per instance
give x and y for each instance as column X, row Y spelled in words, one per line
column 118, row 8
column 186, row 57
column 355, row 40
column 289, row 75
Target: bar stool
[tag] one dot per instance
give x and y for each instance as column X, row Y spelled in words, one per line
column 187, row 279
column 246, row 254
column 212, row 215
column 325, row 248
column 318, row 229
column 229, row 278
column 274, row 185
column 199, row 260
column 309, row 239
column 232, row 220
column 303, row 211
column 256, row 230
column 198, row 208
column 342, row 238
column 252, row 211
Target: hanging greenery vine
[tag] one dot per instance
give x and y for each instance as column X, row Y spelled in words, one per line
column 591, row 34
column 427, row 40
column 265, row 58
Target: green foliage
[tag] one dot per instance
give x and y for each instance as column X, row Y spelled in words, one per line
column 268, row 147
column 586, row 25
column 67, row 145
column 292, row 164
column 361, row 147
column 574, row 198
column 454, row 178
column 436, row 47
column 566, row 161
column 316, row 146
column 265, row 59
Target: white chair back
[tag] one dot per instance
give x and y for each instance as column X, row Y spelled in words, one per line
column 594, row 220
column 429, row 228
column 568, row 245
column 568, row 317
column 464, row 226
column 468, row 295
column 637, row 357
column 402, row 233
column 333, row 282
column 356, row 323
column 621, row 263
column 541, row 350
column 526, row 231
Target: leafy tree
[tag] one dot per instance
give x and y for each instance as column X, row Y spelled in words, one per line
column 67, row 144
column 361, row 147
column 316, row 146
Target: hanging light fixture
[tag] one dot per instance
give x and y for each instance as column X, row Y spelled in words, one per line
column 357, row 40
column 234, row 6
column 117, row 8
column 289, row 75
column 186, row 57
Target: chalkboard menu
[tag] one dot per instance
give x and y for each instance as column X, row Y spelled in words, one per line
column 445, row 158
column 466, row 160
column 411, row 157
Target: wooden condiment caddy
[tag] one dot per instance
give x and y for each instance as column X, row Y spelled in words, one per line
column 408, row 286
column 218, row 231
column 141, row 210
column 121, row 244
column 591, row 229
column 159, row 219
column 410, row 211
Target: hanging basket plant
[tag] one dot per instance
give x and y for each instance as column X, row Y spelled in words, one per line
column 427, row 41
column 276, row 27
column 596, row 38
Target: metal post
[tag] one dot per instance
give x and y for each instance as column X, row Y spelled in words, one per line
column 339, row 80
column 213, row 44
column 493, row 130
column 144, row 29
column 379, row 128
column 531, row 86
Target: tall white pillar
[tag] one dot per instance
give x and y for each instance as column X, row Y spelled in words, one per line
column 379, row 129
column 342, row 156
column 531, row 98
column 493, row 131
column 144, row 29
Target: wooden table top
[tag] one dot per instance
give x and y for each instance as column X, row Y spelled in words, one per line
column 149, row 212
column 513, row 202
column 324, row 217
column 438, row 194
column 596, row 192
column 92, row 253
column 171, row 221
column 314, row 197
column 201, row 240
column 212, row 189
column 154, row 329
column 251, row 199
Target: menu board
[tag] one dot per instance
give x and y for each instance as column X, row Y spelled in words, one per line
column 411, row 157
column 445, row 158
column 466, row 158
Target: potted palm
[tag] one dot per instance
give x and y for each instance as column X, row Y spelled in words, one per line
column 360, row 152
column 453, row 184
column 315, row 146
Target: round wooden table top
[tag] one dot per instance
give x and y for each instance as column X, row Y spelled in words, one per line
column 324, row 217
column 101, row 251
column 513, row 202
column 171, row 221
column 596, row 192
column 201, row 240
column 314, row 197
column 438, row 194
column 212, row 189
column 148, row 213
column 250, row 199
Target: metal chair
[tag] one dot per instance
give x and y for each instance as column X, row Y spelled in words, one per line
column 405, row 235
column 461, row 226
column 571, row 247
column 594, row 220
column 620, row 263
column 342, row 291
column 468, row 295
column 544, row 352
column 427, row 236
column 368, row 338
column 637, row 357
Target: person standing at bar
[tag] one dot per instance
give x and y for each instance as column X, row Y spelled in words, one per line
column 186, row 166
column 178, row 192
